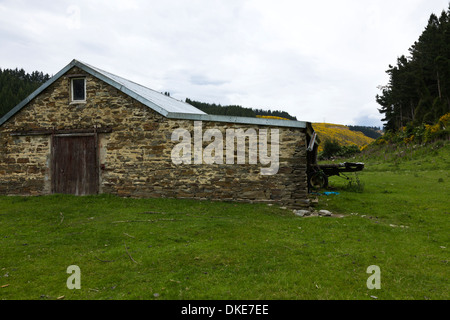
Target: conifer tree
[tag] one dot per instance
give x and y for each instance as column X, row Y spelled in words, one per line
column 16, row 85
column 419, row 85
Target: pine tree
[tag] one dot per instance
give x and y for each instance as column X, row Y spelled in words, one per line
column 419, row 85
column 16, row 85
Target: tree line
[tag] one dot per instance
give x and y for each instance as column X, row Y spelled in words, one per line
column 371, row 132
column 418, row 91
column 16, row 85
column 236, row 110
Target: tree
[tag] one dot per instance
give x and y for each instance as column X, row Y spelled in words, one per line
column 235, row 110
column 16, row 85
column 418, row 91
column 330, row 148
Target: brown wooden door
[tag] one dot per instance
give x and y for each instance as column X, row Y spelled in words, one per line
column 74, row 164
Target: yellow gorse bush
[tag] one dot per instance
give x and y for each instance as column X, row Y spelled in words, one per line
column 438, row 130
column 419, row 134
column 340, row 133
column 272, row 117
column 445, row 120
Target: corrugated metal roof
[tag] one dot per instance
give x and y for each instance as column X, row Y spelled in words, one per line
column 155, row 100
column 164, row 105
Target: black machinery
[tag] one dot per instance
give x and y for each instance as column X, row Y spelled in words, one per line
column 318, row 174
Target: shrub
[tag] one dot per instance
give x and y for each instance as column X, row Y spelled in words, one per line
column 355, row 185
column 332, row 148
column 348, row 151
column 438, row 131
column 424, row 133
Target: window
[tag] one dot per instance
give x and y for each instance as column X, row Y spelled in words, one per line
column 79, row 89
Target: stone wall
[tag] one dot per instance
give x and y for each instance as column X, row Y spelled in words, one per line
column 135, row 157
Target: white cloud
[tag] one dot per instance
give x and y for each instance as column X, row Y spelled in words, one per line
column 318, row 60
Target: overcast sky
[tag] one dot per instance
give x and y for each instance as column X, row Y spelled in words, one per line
column 321, row 61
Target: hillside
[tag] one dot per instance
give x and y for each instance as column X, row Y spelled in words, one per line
column 344, row 135
column 340, row 133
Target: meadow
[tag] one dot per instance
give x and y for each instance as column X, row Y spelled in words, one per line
column 394, row 215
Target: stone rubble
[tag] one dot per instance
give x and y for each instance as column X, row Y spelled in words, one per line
column 312, row 213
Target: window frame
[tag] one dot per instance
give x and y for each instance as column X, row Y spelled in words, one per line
column 72, row 98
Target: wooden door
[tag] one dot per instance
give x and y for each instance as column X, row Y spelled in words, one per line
column 75, row 164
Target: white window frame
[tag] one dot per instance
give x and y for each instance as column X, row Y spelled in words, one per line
column 72, row 100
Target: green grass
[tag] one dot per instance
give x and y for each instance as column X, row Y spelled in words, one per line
column 158, row 249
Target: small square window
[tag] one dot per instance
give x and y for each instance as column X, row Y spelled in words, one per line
column 79, row 89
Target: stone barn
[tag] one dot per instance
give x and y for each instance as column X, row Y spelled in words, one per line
column 87, row 131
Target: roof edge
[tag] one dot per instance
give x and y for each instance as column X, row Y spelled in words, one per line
column 120, row 87
column 241, row 120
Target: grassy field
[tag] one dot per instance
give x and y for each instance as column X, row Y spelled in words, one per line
column 396, row 217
